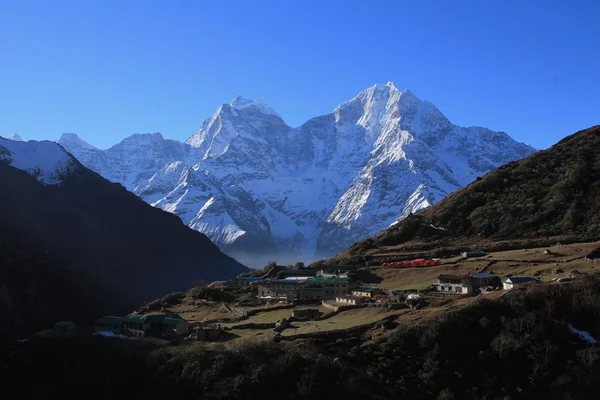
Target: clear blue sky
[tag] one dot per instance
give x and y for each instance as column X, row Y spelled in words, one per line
column 107, row 69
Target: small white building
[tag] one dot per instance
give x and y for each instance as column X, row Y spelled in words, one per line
column 515, row 281
column 351, row 300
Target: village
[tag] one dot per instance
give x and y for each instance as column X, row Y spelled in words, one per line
column 290, row 302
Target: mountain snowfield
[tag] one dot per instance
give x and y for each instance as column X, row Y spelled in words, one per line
column 262, row 190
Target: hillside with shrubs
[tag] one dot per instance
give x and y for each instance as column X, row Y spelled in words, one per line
column 551, row 195
column 536, row 342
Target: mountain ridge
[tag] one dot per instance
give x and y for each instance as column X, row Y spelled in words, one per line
column 255, row 185
column 60, row 219
column 546, row 197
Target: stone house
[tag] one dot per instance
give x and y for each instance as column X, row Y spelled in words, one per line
column 481, row 279
column 515, row 281
column 208, row 332
column 326, row 288
column 237, row 283
column 451, row 283
column 365, row 291
column 140, row 325
column 281, row 288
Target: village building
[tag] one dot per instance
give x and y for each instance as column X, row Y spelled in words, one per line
column 397, row 296
column 301, row 273
column 458, row 284
column 109, row 323
column 515, row 281
column 64, row 326
column 332, row 271
column 289, row 289
column 485, row 279
column 326, row 288
column 473, row 253
column 237, row 283
column 351, row 300
column 365, row 291
column 140, row 325
column 176, row 326
column 209, row 332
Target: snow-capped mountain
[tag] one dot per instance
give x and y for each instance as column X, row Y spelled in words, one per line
column 44, row 160
column 15, row 137
column 257, row 186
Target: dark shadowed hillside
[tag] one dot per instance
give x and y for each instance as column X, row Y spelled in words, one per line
column 70, row 239
column 553, row 193
column 533, row 343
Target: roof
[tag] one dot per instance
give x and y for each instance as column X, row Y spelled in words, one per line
column 520, row 279
column 109, row 320
column 349, row 297
column 452, row 276
column 172, row 321
column 365, row 289
column 247, row 279
column 143, row 319
column 483, row 275
column 282, row 282
column 64, row 323
column 337, row 267
column 299, row 272
column 320, row 281
column 297, row 278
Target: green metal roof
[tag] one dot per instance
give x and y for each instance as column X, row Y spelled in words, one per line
column 109, row 320
column 143, row 319
column 365, row 289
column 322, row 281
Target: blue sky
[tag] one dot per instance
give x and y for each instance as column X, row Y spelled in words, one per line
column 108, row 69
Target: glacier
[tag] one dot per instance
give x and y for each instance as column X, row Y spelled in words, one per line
column 262, row 190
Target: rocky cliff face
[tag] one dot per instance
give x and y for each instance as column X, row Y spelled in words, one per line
column 258, row 187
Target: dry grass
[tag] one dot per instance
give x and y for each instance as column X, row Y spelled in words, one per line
column 198, row 313
column 516, row 262
column 343, row 320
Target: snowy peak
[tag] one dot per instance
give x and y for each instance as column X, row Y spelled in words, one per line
column 241, row 103
column 256, row 185
column 69, row 140
column 45, row 160
column 15, row 137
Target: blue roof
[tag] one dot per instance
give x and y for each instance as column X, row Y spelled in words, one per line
column 249, row 279
column 521, row 279
column 483, row 275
